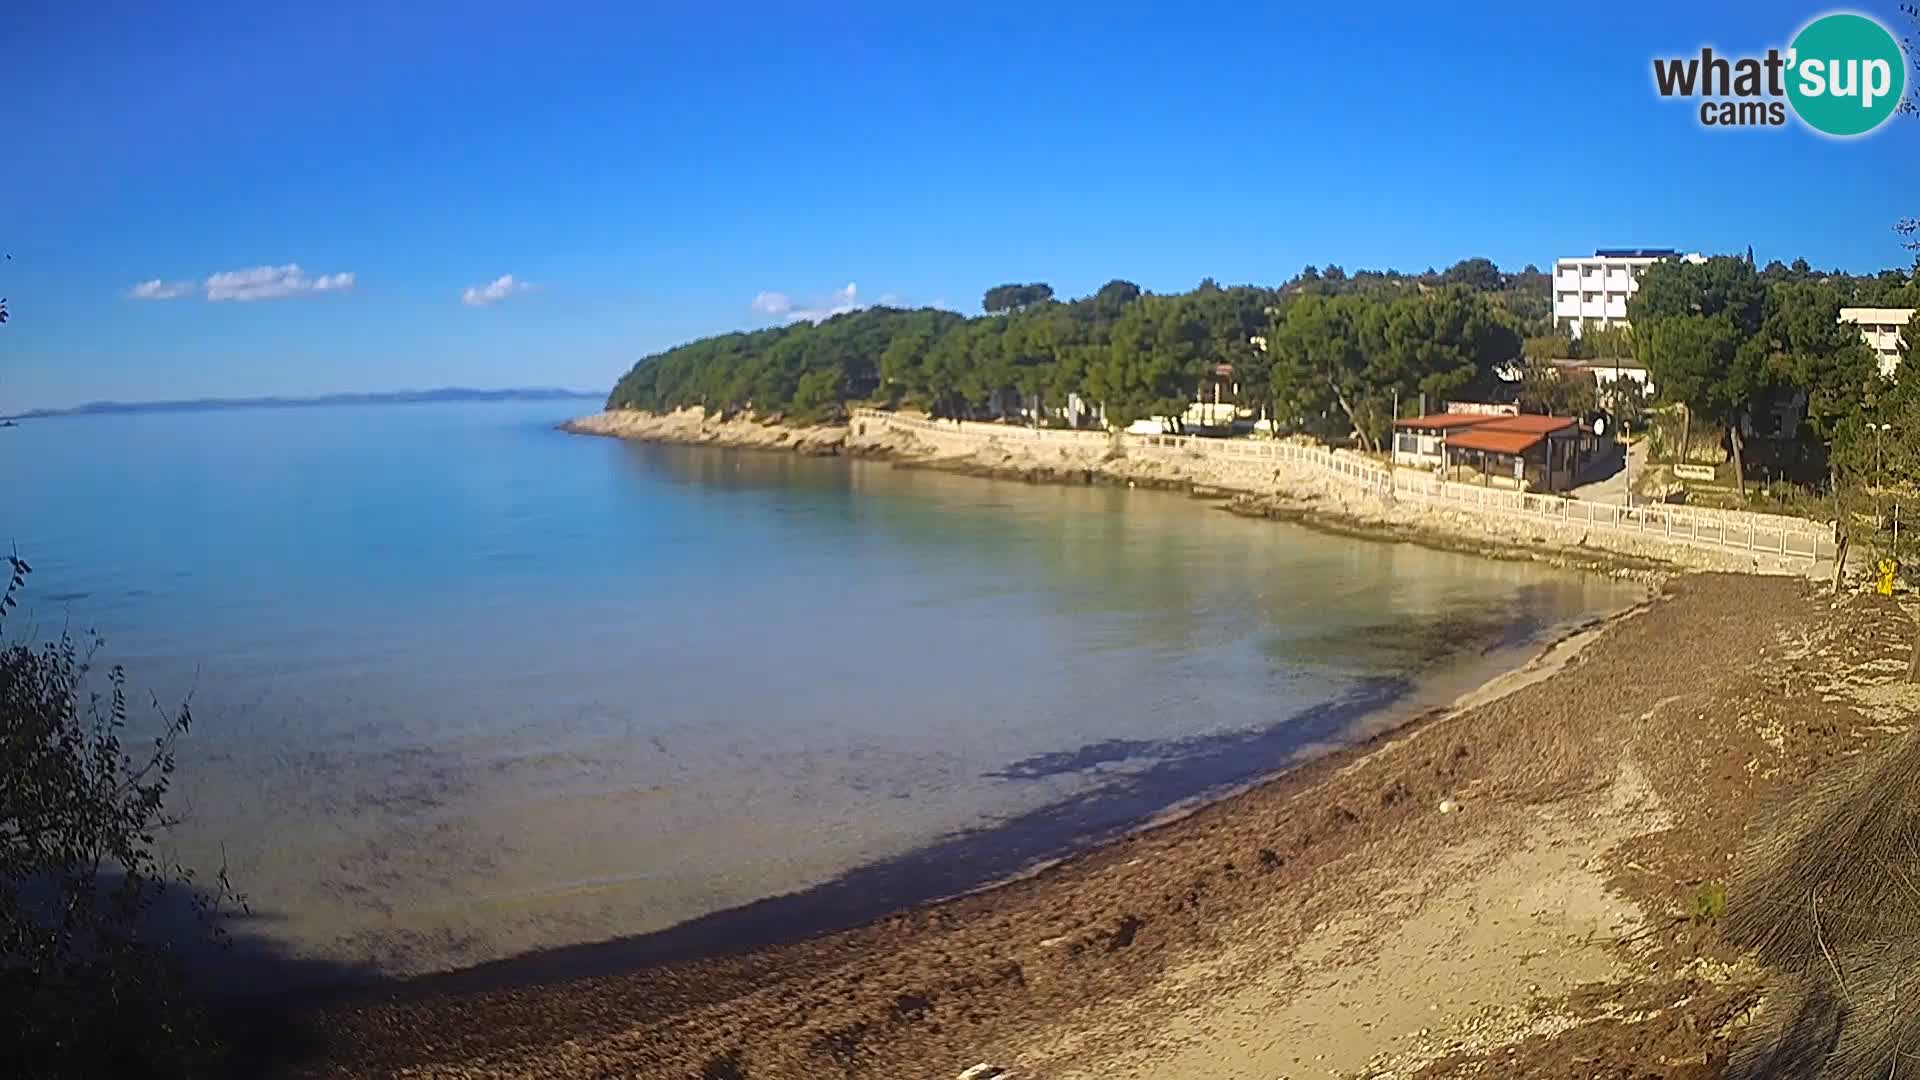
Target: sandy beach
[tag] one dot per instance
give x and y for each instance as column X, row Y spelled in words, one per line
column 1521, row 885
column 1508, row 889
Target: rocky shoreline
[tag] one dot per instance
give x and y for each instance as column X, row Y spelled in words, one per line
column 1296, row 496
column 692, row 427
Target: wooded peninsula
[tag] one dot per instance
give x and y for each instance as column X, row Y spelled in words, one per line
column 1327, row 353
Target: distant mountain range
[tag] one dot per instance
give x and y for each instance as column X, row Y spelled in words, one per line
column 396, row 397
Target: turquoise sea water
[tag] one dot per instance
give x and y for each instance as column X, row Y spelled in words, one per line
column 467, row 687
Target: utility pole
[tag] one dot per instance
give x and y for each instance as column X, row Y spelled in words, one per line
column 1626, row 458
column 1393, row 442
column 1880, row 481
column 1613, row 347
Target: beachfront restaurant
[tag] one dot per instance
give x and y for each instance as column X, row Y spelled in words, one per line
column 1418, row 442
column 1525, row 451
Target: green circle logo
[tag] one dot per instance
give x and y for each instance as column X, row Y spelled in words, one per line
column 1845, row 74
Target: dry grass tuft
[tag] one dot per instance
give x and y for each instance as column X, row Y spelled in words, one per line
column 1880, row 1033
column 1836, row 869
column 1828, row 889
column 1792, row 1035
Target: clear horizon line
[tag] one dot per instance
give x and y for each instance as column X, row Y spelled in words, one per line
column 341, row 397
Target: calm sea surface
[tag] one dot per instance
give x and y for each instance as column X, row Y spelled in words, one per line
column 467, row 687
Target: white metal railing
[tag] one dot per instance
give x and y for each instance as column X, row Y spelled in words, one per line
column 1763, row 533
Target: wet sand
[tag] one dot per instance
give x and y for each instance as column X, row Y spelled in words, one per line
column 1499, row 890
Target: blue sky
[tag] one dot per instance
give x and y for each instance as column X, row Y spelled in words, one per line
column 644, row 173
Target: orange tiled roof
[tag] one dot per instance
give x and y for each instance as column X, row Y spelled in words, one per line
column 1531, row 422
column 1495, row 442
column 1446, row 421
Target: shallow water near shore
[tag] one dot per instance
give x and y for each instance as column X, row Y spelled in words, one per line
column 466, row 687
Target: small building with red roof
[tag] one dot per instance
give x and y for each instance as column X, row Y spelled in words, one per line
column 1517, row 450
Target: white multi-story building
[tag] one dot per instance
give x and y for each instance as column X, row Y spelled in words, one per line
column 1881, row 329
column 1594, row 290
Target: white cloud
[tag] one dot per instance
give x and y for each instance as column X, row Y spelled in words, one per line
column 272, row 283
column 775, row 304
column 493, row 291
column 160, row 290
column 781, row 306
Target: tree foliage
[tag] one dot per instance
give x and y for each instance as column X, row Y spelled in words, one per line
column 86, row 988
column 1002, row 299
column 1546, row 389
column 1346, row 357
column 1153, row 360
column 1723, row 339
column 1325, row 352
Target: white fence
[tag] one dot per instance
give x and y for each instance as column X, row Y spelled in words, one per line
column 1769, row 534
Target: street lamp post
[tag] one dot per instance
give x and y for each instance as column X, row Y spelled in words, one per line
column 1393, row 442
column 1880, row 481
column 1626, row 458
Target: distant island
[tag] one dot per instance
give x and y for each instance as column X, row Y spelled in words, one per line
column 395, row 397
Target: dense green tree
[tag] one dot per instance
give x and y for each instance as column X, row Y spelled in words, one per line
column 949, row 365
column 1326, row 352
column 1528, row 298
column 1002, row 299
column 1350, row 355
column 1610, row 342
column 1545, row 347
column 1318, row 360
column 1475, row 273
column 1113, row 297
column 904, row 372
column 1550, row 391
column 1809, row 350
column 1695, row 329
column 1154, row 362
column 762, row 370
column 818, row 393
column 1690, row 358
column 1436, row 343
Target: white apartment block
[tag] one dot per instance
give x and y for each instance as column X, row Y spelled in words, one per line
column 1594, row 290
column 1880, row 328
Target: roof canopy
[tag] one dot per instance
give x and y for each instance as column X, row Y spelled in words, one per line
column 1493, row 434
column 1530, row 422
column 1444, row 421
column 1495, row 442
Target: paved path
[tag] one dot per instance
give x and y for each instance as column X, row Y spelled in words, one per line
column 1613, row 489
